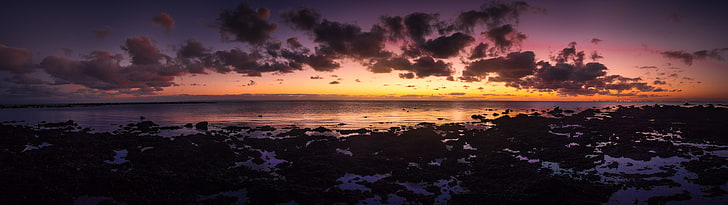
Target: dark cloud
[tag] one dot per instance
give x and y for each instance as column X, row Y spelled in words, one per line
column 407, row 75
column 193, row 48
column 142, row 51
column 570, row 72
column 322, row 63
column 427, row 66
column 659, row 82
column 595, row 56
column 419, row 25
column 685, row 57
column 505, row 37
column 498, row 95
column 570, row 54
column 294, row 43
column 568, row 76
column 302, row 18
column 165, row 21
column 394, row 25
column 479, row 51
column 492, row 15
column 648, row 67
column 448, row 46
column 34, row 91
column 387, row 65
column 101, row 70
column 714, row 54
column 337, row 40
column 334, row 82
column 596, row 40
column 317, row 77
column 16, row 60
column 421, row 68
column 246, row 24
column 510, row 68
column 102, row 32
column 457, row 93
column 25, row 79
column 195, row 56
column 348, row 40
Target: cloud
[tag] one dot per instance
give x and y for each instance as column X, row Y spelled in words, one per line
column 648, row 67
column 498, row 95
column 102, row 32
column 427, row 66
column 16, row 60
column 659, row 82
column 688, row 58
column 479, row 51
column 302, row 18
column 25, row 79
column 334, row 82
column 101, row 70
column 568, row 76
column 322, row 63
column 193, row 48
column 317, row 77
column 394, row 25
column 685, row 57
column 407, row 75
column 492, row 15
column 246, row 24
column 294, row 43
column 505, row 37
column 34, row 91
column 197, row 58
column 510, row 68
column 419, row 25
column 422, row 67
column 595, row 56
column 165, row 21
column 596, row 41
column 142, row 51
column 448, row 46
column 457, row 93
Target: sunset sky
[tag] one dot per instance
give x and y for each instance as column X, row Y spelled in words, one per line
column 108, row 51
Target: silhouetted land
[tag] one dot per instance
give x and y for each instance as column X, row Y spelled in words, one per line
column 94, row 104
column 579, row 158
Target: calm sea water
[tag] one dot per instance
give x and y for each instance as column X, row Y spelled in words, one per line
column 330, row 114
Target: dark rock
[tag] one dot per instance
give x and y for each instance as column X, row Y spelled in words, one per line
column 201, row 125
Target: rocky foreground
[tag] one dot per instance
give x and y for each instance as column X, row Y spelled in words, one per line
column 624, row 155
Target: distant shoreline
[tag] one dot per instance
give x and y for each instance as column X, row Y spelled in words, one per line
column 97, row 104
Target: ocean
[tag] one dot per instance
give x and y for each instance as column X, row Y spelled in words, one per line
column 311, row 114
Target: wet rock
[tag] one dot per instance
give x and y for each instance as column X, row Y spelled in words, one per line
column 321, row 129
column 477, row 117
column 201, row 125
column 683, row 196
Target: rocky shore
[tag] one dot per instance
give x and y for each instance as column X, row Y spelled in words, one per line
column 616, row 155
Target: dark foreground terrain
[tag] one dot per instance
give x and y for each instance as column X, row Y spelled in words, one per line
column 644, row 155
